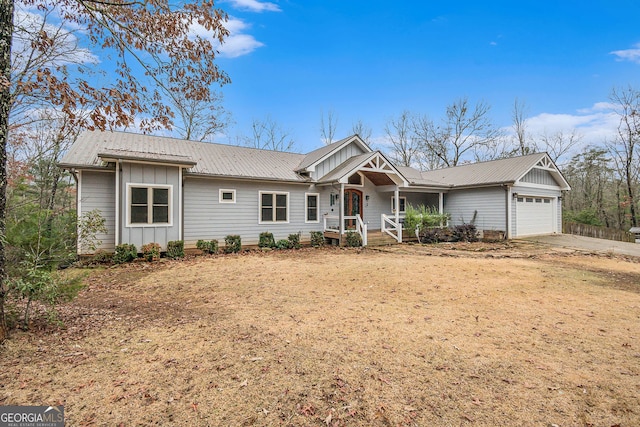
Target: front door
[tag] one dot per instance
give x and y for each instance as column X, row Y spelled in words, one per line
column 352, row 206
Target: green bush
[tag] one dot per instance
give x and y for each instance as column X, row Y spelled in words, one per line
column 208, row 246
column 125, row 253
column 294, row 241
column 266, row 240
column 232, row 244
column 151, row 251
column 422, row 218
column 317, row 239
column 175, row 249
column 353, row 239
column 283, row 244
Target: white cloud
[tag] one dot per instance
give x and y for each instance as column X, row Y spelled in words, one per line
column 237, row 43
column 255, row 6
column 632, row 55
column 595, row 124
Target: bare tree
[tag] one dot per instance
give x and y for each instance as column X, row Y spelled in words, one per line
column 463, row 130
column 405, row 148
column 519, row 124
column 199, row 120
column 624, row 148
column 267, row 134
column 559, row 143
column 328, row 127
column 362, row 130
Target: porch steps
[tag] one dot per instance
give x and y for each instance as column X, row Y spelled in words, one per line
column 378, row 238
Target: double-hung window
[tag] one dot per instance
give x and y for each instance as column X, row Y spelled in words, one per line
column 312, row 207
column 274, row 207
column 149, row 204
column 403, row 204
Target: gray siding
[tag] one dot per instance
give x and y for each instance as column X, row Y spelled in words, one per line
column 97, row 191
column 539, row 176
column 336, row 159
column 205, row 218
column 150, row 174
column 490, row 203
column 523, row 190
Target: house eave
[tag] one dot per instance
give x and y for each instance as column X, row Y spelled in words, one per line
column 244, row 178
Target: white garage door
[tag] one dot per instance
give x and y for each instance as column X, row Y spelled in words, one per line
column 534, row 215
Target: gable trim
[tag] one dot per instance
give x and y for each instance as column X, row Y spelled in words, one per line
column 355, row 138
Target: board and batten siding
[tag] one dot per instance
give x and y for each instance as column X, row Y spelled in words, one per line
column 490, row 204
column 205, row 218
column 96, row 190
column 539, row 176
column 524, row 191
column 337, row 159
column 133, row 173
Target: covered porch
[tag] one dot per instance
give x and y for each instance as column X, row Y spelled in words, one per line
column 369, row 196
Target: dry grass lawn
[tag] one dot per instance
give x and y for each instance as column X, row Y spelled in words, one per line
column 478, row 335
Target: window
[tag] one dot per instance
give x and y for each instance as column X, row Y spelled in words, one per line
column 529, row 199
column 274, row 207
column 547, row 200
column 403, row 204
column 227, row 196
column 149, row 204
column 520, row 199
column 538, row 200
column 312, row 207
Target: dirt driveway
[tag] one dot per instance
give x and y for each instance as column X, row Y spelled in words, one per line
column 588, row 244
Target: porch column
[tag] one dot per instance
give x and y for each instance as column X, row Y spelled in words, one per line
column 341, row 210
column 396, row 203
column 441, row 205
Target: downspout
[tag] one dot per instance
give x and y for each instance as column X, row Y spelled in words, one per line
column 180, row 205
column 508, row 207
column 78, row 179
column 341, row 211
column 118, row 172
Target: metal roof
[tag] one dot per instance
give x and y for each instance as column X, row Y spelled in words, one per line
column 503, row 171
column 210, row 159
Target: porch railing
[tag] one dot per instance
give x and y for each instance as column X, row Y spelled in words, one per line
column 391, row 227
column 332, row 224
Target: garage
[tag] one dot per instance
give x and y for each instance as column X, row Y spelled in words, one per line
column 535, row 215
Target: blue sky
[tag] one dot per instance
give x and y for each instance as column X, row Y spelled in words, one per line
column 292, row 60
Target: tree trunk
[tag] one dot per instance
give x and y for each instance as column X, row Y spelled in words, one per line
column 6, row 32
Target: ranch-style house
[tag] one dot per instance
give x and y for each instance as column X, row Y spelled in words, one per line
column 159, row 189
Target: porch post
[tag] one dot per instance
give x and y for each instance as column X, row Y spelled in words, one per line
column 341, row 210
column 396, row 203
column 441, row 205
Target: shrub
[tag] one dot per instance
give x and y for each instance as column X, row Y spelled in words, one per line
column 436, row 235
column 232, row 244
column 317, row 239
column 125, row 253
column 266, row 240
column 422, row 218
column 465, row 233
column 208, row 246
column 175, row 249
column 353, row 239
column 151, row 251
column 102, row 257
column 294, row 241
column 283, row 244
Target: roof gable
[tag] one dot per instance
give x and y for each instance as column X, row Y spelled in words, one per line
column 374, row 165
column 494, row 172
column 315, row 157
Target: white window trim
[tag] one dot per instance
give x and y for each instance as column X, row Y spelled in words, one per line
column 260, row 193
column 129, row 224
column 306, row 208
column 393, row 210
column 226, row 190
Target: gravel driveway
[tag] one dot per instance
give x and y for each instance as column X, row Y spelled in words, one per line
column 587, row 244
